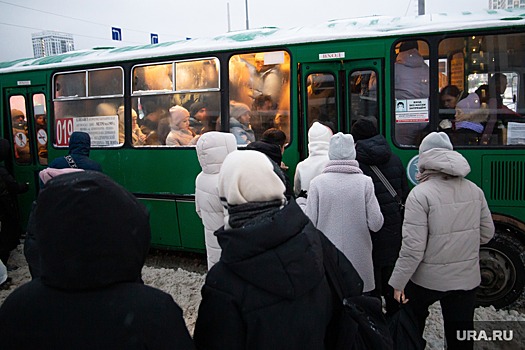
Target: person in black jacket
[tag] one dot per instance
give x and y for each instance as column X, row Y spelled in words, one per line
column 79, row 147
column 269, row 289
column 93, row 237
column 10, row 229
column 373, row 149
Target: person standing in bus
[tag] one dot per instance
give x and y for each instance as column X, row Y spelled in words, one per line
column 411, row 82
column 78, row 156
column 269, row 289
column 240, row 123
column 446, row 220
column 212, row 148
column 372, row 149
column 318, row 141
column 341, row 203
column 10, row 229
column 94, row 237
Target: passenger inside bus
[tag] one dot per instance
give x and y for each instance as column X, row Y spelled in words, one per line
column 180, row 134
column 411, row 82
column 20, row 137
column 240, row 123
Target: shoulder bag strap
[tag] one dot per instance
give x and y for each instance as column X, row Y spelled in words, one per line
column 387, row 184
column 333, row 273
column 71, row 161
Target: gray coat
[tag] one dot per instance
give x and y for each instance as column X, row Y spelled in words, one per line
column 446, row 220
column 342, row 204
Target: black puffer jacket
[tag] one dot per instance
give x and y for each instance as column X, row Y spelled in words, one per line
column 79, row 147
column 93, row 237
column 10, row 229
column 269, row 290
column 376, row 151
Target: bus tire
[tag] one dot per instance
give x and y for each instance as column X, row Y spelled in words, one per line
column 502, row 263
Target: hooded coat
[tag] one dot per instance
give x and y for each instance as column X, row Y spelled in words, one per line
column 446, row 220
column 318, row 142
column 376, row 151
column 93, row 237
column 411, row 76
column 79, row 147
column 269, row 290
column 10, row 230
column 212, row 148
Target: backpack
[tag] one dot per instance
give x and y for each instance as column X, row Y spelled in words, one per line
column 360, row 323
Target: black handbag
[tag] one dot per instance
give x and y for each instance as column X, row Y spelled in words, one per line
column 361, row 323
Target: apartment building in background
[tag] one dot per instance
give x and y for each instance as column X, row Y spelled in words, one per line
column 48, row 43
column 506, row 4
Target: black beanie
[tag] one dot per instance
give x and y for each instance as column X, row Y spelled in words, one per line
column 195, row 107
column 364, row 128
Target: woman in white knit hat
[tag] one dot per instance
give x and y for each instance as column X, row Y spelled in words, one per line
column 446, row 220
column 180, row 134
column 342, row 204
column 240, row 123
column 269, row 289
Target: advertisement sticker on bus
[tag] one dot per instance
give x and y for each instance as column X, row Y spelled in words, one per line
column 103, row 130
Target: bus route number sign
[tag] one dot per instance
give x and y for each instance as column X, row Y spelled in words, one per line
column 64, row 129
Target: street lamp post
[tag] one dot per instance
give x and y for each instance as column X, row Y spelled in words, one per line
column 247, row 22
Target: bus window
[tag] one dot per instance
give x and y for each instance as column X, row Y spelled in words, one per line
column 486, row 71
column 412, row 89
column 21, row 144
column 321, row 99
column 88, row 101
column 190, row 89
column 40, row 116
column 363, row 94
column 259, row 82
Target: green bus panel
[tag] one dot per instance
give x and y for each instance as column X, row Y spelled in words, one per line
column 504, row 180
column 191, row 228
column 164, row 222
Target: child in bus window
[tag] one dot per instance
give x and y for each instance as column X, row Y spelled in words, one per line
column 180, row 134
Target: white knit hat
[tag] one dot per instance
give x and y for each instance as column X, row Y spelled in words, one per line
column 435, row 140
column 248, row 176
column 319, row 133
column 178, row 113
column 341, row 147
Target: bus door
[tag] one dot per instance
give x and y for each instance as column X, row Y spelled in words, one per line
column 27, row 131
column 338, row 93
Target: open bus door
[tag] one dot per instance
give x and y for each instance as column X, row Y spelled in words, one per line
column 338, row 93
column 26, row 116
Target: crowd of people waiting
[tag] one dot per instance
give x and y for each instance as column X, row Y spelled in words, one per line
column 267, row 243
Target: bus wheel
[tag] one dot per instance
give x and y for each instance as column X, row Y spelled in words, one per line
column 502, row 271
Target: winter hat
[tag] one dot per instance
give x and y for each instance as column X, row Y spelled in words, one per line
column 364, row 128
column 248, row 176
column 319, row 133
column 178, row 113
column 435, row 140
column 238, row 109
column 341, row 147
column 196, row 107
column 16, row 113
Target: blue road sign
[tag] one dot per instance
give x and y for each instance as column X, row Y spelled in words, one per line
column 116, row 33
column 154, row 38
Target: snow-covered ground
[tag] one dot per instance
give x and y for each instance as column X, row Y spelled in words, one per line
column 185, row 288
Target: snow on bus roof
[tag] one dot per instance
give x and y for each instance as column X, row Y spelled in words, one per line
column 363, row 27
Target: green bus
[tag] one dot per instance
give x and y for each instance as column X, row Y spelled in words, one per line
column 335, row 72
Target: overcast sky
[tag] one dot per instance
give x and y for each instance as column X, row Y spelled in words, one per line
column 90, row 21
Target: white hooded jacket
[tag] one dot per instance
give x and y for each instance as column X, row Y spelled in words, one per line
column 318, row 142
column 212, row 148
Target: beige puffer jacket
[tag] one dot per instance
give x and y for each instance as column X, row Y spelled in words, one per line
column 446, row 220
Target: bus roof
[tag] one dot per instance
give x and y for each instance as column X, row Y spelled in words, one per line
column 363, row 27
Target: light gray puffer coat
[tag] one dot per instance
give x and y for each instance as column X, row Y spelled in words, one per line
column 446, row 220
column 212, row 148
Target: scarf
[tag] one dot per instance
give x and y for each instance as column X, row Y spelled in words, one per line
column 252, row 213
column 342, row 166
